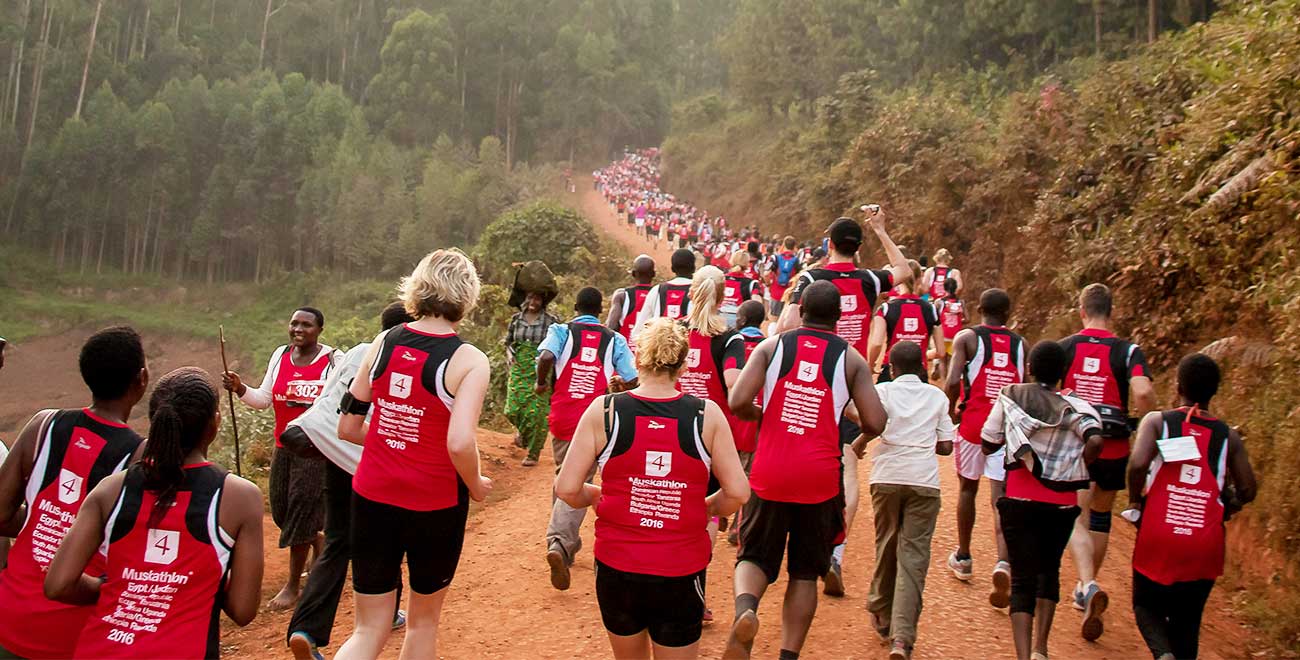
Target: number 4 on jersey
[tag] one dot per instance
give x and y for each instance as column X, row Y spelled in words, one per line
column 658, row 463
column 162, row 546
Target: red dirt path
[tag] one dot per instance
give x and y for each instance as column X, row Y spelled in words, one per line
column 502, row 605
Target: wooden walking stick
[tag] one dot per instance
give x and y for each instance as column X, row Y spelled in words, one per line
column 230, row 397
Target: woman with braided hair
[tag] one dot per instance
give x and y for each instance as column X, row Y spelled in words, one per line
column 183, row 539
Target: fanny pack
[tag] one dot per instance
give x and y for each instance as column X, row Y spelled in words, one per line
column 1114, row 422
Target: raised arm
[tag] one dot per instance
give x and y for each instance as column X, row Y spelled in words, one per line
column 897, row 262
column 241, row 514
column 734, row 485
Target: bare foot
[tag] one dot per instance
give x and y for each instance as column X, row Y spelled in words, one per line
column 284, row 600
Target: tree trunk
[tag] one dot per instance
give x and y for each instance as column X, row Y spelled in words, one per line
column 266, row 22
column 1153, row 20
column 144, row 32
column 90, row 50
column 178, row 19
column 464, row 82
column 18, row 78
column 1096, row 26
column 46, row 18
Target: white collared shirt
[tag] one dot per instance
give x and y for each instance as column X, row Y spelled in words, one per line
column 918, row 420
column 650, row 308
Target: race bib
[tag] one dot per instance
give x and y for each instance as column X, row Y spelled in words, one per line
column 807, row 371
column 910, row 325
column 303, row 392
column 848, row 303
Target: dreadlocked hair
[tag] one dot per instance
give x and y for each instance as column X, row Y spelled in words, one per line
column 180, row 409
column 706, row 297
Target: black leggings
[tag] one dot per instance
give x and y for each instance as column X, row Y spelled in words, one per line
column 1036, row 535
column 1169, row 616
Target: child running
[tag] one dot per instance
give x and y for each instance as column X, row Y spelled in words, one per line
column 653, row 442
column 182, row 539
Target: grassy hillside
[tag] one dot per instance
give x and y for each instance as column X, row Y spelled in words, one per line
column 1172, row 175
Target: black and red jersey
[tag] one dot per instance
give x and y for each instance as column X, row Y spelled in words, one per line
column 654, row 472
column 405, row 462
column 804, row 395
column 162, row 593
column 1100, row 368
column 998, row 361
column 77, row 449
column 583, row 370
column 1181, row 537
column 952, row 316
column 745, row 433
column 633, row 300
column 706, row 361
column 938, row 277
column 674, row 300
column 859, row 288
column 737, row 288
column 907, row 318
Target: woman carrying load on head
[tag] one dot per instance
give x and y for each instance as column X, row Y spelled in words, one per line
column 525, row 408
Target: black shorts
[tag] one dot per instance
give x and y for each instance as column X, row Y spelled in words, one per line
column 383, row 534
column 671, row 608
column 807, row 531
column 1109, row 473
column 848, row 431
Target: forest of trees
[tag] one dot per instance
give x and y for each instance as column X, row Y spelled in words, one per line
column 228, row 139
column 232, row 139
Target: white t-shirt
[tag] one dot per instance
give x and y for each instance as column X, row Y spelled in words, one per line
column 918, row 420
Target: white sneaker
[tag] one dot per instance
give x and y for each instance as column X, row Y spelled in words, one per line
column 1001, row 596
column 962, row 569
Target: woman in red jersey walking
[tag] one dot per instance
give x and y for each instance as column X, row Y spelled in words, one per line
column 183, row 539
column 653, row 445
column 420, row 464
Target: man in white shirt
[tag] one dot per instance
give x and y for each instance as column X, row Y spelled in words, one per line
column 905, row 495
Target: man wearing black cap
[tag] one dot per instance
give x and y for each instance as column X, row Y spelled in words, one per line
column 672, row 298
column 858, row 289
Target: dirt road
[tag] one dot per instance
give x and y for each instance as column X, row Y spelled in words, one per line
column 502, row 605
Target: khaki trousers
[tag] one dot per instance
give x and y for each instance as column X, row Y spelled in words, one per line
column 905, row 518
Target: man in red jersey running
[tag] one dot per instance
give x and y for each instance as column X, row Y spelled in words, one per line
column 859, row 288
column 587, row 360
column 625, row 305
column 1180, row 507
column 58, row 458
column 1111, row 374
column 807, row 377
column 985, row 359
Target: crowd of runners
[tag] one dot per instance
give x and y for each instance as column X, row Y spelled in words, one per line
column 737, row 396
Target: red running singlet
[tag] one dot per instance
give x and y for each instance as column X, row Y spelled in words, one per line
column 163, row 592
column 952, row 316
column 405, row 462
column 76, row 451
column 737, row 289
column 804, row 395
column 907, row 318
column 633, row 301
column 706, row 361
column 859, row 289
column 654, row 475
column 296, row 388
column 583, row 370
column 1182, row 537
column 1100, row 366
column 936, row 285
column 745, row 433
column 998, row 361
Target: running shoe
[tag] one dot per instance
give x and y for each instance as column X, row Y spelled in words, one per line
column 1001, row 596
column 899, row 650
column 559, row 568
column 529, row 462
column 304, row 647
column 708, row 616
column 1080, row 597
column 1095, row 603
column 1037, row 656
column 834, row 580
column 399, row 620
column 741, row 639
column 962, row 569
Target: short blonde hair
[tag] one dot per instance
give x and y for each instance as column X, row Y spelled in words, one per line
column 444, row 284
column 706, row 297
column 740, row 258
column 943, row 257
column 662, row 347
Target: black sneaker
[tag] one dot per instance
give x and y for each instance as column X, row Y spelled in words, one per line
column 559, row 568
